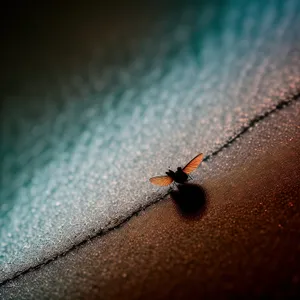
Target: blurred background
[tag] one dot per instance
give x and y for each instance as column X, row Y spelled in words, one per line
column 99, row 96
column 64, row 64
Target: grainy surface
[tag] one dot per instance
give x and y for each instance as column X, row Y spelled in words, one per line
column 89, row 117
column 246, row 243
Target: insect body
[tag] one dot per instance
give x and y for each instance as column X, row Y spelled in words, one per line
column 181, row 175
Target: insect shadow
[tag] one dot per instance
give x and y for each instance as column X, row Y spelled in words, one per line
column 190, row 200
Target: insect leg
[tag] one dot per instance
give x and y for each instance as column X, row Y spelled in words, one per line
column 174, row 184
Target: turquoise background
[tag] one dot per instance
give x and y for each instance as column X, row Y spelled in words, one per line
column 96, row 102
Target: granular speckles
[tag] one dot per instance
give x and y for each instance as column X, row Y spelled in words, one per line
column 81, row 149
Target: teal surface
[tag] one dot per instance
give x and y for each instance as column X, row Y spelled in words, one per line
column 93, row 108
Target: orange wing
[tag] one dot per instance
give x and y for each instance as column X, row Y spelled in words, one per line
column 161, row 180
column 193, row 164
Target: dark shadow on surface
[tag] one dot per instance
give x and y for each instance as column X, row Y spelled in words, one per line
column 190, row 200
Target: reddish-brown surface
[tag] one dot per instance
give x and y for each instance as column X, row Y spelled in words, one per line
column 247, row 242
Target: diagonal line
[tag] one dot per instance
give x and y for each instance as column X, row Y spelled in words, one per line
column 282, row 104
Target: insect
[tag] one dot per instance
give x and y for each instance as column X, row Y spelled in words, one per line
column 181, row 175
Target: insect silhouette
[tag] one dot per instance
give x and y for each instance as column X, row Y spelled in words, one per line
column 181, row 175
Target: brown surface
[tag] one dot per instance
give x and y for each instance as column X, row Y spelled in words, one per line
column 247, row 242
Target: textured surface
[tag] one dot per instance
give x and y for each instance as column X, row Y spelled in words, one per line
column 95, row 117
column 246, row 244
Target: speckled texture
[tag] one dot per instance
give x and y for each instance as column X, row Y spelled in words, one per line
column 122, row 113
column 246, row 244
